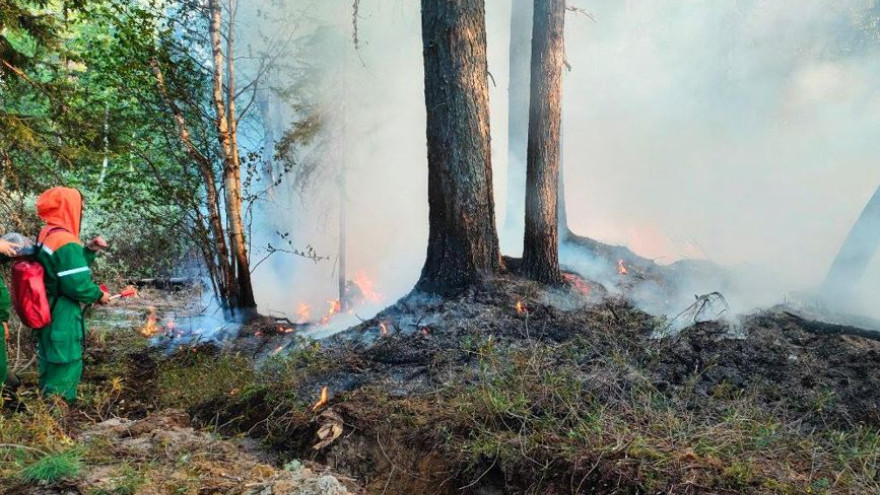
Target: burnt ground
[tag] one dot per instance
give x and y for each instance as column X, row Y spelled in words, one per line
column 512, row 387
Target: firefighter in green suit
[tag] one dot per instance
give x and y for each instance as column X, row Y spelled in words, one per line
column 7, row 249
column 69, row 286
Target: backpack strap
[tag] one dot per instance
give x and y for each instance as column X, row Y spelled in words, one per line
column 58, row 281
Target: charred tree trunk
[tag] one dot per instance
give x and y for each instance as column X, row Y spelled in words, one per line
column 463, row 241
column 517, row 116
column 241, row 290
column 541, row 243
column 858, row 249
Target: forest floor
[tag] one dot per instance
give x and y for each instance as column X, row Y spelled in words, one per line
column 510, row 387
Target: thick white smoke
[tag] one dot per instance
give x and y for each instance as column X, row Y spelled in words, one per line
column 743, row 132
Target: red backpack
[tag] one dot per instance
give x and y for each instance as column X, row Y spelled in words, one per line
column 29, row 296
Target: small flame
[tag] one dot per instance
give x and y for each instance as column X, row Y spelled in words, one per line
column 321, row 401
column 276, row 351
column 425, row 331
column 383, row 328
column 303, row 313
column 578, row 283
column 279, row 328
column 621, row 268
column 521, row 308
column 367, row 286
column 150, row 328
column 335, row 307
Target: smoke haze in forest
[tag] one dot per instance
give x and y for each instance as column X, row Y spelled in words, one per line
column 743, row 132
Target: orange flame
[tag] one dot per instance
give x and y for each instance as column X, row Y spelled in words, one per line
column 367, row 286
column 321, row 401
column 335, row 307
column 276, row 351
column 383, row 328
column 150, row 328
column 303, row 313
column 621, row 268
column 578, row 283
column 521, row 308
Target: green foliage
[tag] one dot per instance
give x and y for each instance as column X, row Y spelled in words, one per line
column 52, row 468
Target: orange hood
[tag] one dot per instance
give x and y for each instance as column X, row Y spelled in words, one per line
column 60, row 207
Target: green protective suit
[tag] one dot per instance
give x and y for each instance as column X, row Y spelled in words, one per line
column 69, row 286
column 60, row 345
column 5, row 308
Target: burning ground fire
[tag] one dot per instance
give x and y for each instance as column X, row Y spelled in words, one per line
column 367, row 287
column 521, row 308
column 359, row 290
column 621, row 267
column 335, row 308
column 578, row 283
column 323, row 400
column 150, row 328
column 303, row 313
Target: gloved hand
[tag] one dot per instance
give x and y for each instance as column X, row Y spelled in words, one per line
column 8, row 249
column 97, row 244
column 105, row 298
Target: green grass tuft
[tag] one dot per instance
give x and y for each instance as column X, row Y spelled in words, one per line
column 54, row 467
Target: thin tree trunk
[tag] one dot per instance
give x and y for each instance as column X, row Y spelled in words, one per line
column 212, row 197
column 343, row 303
column 541, row 242
column 341, row 278
column 241, row 291
column 517, row 117
column 855, row 255
column 239, row 243
column 106, row 161
column 462, row 241
column 268, row 168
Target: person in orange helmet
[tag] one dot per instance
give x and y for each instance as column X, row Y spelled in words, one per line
column 69, row 285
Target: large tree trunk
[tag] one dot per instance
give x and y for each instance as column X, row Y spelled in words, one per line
column 858, row 249
column 242, row 294
column 463, row 241
column 541, row 243
column 517, row 118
